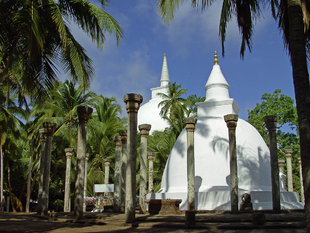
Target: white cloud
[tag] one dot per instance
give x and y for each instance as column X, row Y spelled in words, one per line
column 191, row 25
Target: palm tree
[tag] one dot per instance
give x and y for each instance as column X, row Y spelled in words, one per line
column 61, row 108
column 36, row 39
column 172, row 101
column 293, row 20
column 103, row 126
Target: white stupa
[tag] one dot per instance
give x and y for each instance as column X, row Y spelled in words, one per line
column 149, row 112
column 211, row 148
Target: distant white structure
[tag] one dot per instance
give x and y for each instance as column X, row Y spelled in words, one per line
column 149, row 112
column 211, row 148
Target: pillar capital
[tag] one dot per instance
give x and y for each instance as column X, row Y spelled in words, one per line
column 133, row 102
column 69, row 152
column 281, row 162
column 50, row 128
column 190, row 123
column 123, row 134
column 84, row 113
column 288, row 152
column 107, row 162
column 271, row 122
column 43, row 134
column 151, row 156
column 118, row 140
column 231, row 120
column 144, row 130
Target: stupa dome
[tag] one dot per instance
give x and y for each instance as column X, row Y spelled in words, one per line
column 149, row 112
column 211, row 154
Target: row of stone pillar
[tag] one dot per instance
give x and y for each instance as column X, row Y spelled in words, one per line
column 46, row 134
column 231, row 121
column 289, row 171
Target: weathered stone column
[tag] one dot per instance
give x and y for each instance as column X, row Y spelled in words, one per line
column 288, row 155
column 117, row 173
column 231, row 121
column 84, row 114
column 144, row 132
column 85, row 181
column 50, row 128
column 190, row 128
column 151, row 158
column 43, row 137
column 281, row 164
column 123, row 134
column 133, row 102
column 271, row 124
column 106, row 170
column 69, row 154
column 302, row 192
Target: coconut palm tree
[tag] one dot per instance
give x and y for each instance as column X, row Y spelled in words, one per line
column 103, row 126
column 172, row 101
column 36, row 39
column 61, row 108
column 293, row 20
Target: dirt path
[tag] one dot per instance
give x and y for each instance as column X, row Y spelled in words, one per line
column 112, row 222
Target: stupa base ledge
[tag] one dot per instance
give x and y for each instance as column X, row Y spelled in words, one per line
column 220, row 200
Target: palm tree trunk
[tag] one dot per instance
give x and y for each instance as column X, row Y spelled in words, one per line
column 1, row 181
column 302, row 92
column 29, row 177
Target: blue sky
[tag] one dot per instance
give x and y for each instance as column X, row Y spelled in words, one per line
column 189, row 41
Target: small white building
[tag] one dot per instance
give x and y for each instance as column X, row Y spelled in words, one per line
column 211, row 148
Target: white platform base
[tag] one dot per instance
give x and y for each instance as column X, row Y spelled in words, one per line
column 220, row 200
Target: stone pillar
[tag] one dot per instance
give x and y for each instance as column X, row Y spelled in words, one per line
column 271, row 124
column 281, row 164
column 302, row 192
column 84, row 114
column 288, row 155
column 133, row 102
column 45, row 164
column 151, row 158
column 69, row 154
column 50, row 128
column 144, row 132
column 118, row 173
column 106, row 170
column 85, row 181
column 190, row 128
column 123, row 134
column 231, row 122
column 43, row 137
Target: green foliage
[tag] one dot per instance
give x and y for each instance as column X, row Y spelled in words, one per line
column 279, row 105
column 35, row 38
column 283, row 107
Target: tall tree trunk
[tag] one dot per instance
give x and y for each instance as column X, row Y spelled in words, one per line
column 302, row 92
column 29, row 177
column 1, row 179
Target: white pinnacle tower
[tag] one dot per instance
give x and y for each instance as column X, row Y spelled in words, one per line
column 164, row 79
column 149, row 112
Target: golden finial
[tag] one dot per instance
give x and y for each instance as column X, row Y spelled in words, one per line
column 216, row 61
column 164, row 54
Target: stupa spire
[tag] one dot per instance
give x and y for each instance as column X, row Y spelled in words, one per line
column 164, row 79
column 217, row 87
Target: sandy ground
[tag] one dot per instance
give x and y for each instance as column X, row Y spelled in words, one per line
column 113, row 222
